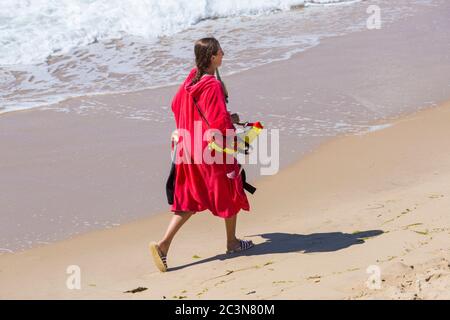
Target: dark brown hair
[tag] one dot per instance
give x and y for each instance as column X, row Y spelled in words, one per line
column 204, row 49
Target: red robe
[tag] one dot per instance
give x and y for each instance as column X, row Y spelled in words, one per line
column 201, row 186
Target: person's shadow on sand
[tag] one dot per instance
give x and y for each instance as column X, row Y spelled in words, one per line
column 285, row 242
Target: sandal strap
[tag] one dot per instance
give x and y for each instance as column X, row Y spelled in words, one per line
column 245, row 244
column 163, row 258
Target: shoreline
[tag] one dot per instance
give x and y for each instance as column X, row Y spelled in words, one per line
column 66, row 96
column 275, row 64
column 381, row 207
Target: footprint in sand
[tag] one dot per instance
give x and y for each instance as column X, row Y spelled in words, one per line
column 404, row 212
column 316, row 278
column 375, row 206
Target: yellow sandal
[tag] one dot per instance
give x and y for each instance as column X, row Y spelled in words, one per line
column 158, row 258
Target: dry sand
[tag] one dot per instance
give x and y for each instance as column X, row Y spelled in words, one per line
column 380, row 199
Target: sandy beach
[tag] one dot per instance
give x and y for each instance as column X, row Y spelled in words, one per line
column 378, row 199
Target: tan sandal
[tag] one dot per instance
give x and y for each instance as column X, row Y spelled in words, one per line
column 159, row 259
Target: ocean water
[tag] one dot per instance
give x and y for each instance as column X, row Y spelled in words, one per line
column 55, row 49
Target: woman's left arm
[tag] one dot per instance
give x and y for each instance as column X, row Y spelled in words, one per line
column 216, row 112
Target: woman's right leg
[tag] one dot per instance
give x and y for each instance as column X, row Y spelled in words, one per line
column 233, row 243
column 178, row 219
column 230, row 226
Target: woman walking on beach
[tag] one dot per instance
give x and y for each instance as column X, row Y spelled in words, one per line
column 217, row 187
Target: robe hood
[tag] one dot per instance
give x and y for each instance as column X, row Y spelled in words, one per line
column 205, row 82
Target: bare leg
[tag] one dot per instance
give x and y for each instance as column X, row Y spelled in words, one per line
column 230, row 225
column 178, row 219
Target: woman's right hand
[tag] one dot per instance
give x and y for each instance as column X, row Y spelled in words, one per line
column 234, row 118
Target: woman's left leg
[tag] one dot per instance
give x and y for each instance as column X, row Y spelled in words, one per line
column 178, row 219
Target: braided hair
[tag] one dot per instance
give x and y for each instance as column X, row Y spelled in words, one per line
column 204, row 49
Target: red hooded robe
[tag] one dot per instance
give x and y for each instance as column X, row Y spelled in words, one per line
column 201, row 186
